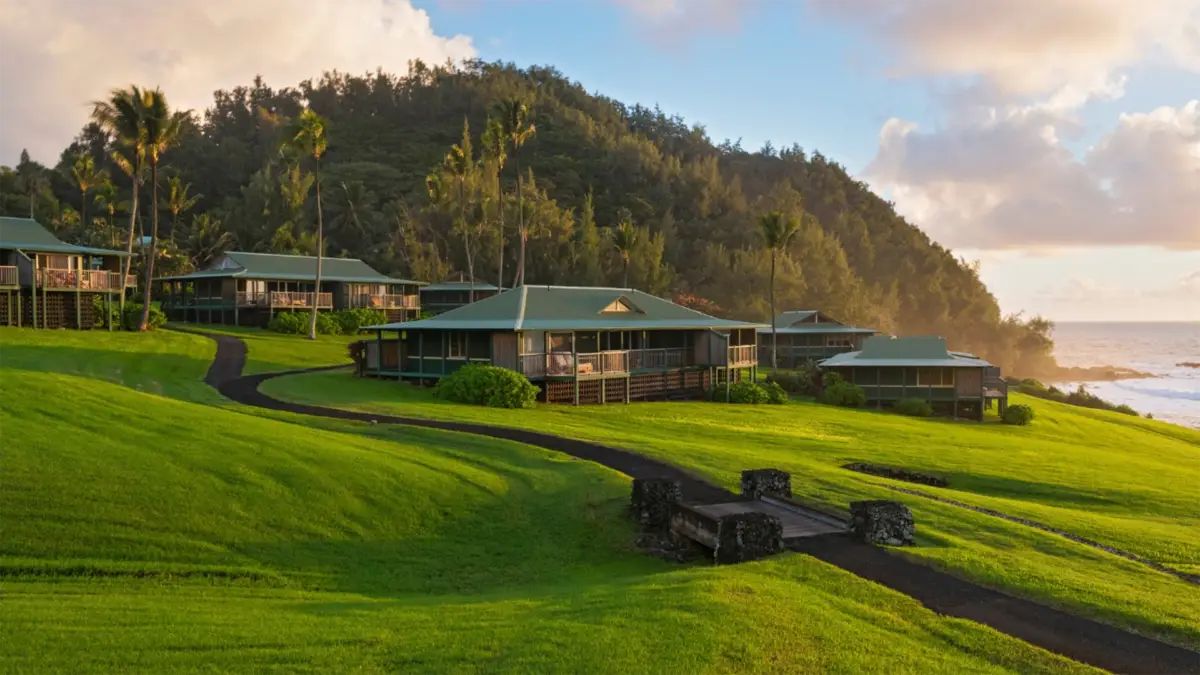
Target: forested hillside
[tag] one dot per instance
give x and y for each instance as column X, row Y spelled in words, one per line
column 391, row 197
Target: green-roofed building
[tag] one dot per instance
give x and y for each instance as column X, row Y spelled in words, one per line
column 447, row 295
column 579, row 344
column 48, row 283
column 809, row 335
column 250, row 288
column 890, row 369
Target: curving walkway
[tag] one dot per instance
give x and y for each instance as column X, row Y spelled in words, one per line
column 1078, row 638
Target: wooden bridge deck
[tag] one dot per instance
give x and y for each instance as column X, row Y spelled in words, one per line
column 797, row 522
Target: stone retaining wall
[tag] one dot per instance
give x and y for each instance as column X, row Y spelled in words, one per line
column 771, row 482
column 882, row 522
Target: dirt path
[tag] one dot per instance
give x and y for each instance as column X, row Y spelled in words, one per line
column 1078, row 638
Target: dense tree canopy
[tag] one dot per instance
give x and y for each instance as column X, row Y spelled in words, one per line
column 607, row 192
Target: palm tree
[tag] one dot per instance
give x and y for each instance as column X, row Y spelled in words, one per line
column 308, row 138
column 106, row 201
column 161, row 129
column 518, row 129
column 86, row 176
column 459, row 165
column 777, row 232
column 179, row 201
column 206, row 239
column 121, row 116
column 625, row 237
column 495, row 150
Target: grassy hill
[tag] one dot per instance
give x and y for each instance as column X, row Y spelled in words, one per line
column 149, row 526
column 1122, row 481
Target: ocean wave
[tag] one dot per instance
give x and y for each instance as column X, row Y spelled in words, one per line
column 1189, row 394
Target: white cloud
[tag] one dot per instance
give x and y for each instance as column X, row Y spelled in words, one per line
column 673, row 20
column 1022, row 47
column 1010, row 183
column 57, row 55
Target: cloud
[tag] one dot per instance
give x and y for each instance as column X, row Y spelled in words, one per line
column 57, row 55
column 672, row 21
column 1184, row 291
column 1009, row 181
column 1022, row 47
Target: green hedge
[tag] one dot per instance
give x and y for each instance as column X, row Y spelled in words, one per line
column 746, row 392
column 840, row 392
column 132, row 317
column 914, row 407
column 489, row 386
column 1020, row 415
column 341, row 322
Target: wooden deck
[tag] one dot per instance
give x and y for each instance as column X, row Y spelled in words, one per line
column 797, row 522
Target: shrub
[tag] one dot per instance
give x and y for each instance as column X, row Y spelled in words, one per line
column 491, row 386
column 749, row 393
column 114, row 313
column 350, row 321
column 1080, row 397
column 132, row 317
column 840, row 392
column 914, row 407
column 776, row 395
column 1020, row 415
column 291, row 323
column 327, row 323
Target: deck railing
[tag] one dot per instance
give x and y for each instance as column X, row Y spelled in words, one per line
column 87, row 280
column 385, row 301
column 652, row 359
column 300, row 299
column 743, row 355
column 8, row 275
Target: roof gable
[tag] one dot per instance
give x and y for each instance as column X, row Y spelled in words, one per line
column 621, row 304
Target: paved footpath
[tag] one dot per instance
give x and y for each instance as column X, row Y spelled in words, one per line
column 1072, row 636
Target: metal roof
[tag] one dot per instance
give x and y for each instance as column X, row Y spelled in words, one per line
column 916, row 350
column 290, row 268
column 459, row 286
column 569, row 308
column 29, row 235
column 796, row 322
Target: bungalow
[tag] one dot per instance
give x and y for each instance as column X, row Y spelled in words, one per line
column 249, row 288
column 51, row 284
column 447, row 295
column 578, row 344
column 809, row 335
column 890, row 369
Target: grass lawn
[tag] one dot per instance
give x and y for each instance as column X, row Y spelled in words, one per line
column 1123, row 481
column 146, row 529
column 272, row 352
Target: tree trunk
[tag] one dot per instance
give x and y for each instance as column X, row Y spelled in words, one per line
column 133, row 210
column 146, row 294
column 500, row 198
column 312, row 322
column 774, row 335
column 83, row 221
column 625, row 275
column 519, row 280
column 462, row 210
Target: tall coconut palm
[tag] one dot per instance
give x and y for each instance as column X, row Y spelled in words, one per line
column 459, row 165
column 86, row 177
column 179, row 201
column 121, row 116
column 161, row 128
column 518, row 129
column 307, row 137
column 625, row 237
column 106, row 201
column 777, row 232
column 495, row 151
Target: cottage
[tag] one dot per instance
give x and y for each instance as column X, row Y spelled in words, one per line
column 890, row 369
column 809, row 335
column 250, row 288
column 51, row 284
column 579, row 344
column 447, row 295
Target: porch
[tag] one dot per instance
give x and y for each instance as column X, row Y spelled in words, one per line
column 55, row 279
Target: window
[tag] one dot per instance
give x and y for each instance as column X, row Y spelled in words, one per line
column 560, row 342
column 839, row 341
column 936, row 377
column 458, row 345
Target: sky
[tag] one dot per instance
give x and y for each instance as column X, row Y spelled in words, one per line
column 1056, row 142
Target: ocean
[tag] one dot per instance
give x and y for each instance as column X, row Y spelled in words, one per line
column 1157, row 348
